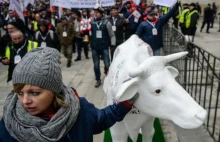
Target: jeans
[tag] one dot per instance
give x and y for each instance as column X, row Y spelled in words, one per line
column 156, row 52
column 96, row 53
column 80, row 44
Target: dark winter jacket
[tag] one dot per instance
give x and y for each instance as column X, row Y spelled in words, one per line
column 53, row 41
column 90, row 121
column 144, row 30
column 120, row 23
column 132, row 25
column 207, row 14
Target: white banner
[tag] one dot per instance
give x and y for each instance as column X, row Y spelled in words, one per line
column 16, row 5
column 81, row 3
column 61, row 3
column 167, row 3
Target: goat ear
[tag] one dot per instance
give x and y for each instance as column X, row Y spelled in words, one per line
column 173, row 71
column 127, row 90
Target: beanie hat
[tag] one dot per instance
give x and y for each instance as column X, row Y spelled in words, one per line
column 40, row 67
column 78, row 13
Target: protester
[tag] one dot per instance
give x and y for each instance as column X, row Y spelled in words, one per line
column 49, row 24
column 102, row 38
column 65, row 32
column 214, row 12
column 118, row 24
column 35, row 22
column 198, row 8
column 150, row 30
column 131, row 21
column 176, row 18
column 13, row 18
column 54, row 20
column 191, row 22
column 16, row 50
column 182, row 19
column 6, row 39
column 42, row 108
column 207, row 18
column 79, row 38
column 46, row 37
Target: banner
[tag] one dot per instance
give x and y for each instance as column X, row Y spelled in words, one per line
column 81, row 4
column 61, row 3
column 167, row 3
column 17, row 6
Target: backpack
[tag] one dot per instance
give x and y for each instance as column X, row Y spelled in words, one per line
column 50, row 32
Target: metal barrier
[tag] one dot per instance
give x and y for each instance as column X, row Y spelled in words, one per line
column 199, row 75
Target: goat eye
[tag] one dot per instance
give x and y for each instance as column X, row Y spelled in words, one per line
column 158, row 91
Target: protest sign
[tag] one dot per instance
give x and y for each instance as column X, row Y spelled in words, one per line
column 167, row 3
column 90, row 3
column 81, row 3
column 61, row 3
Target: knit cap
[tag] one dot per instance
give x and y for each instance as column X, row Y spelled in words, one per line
column 40, row 67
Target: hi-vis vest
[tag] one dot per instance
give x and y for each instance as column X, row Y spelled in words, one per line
column 188, row 18
column 31, row 45
column 183, row 15
column 165, row 10
column 35, row 25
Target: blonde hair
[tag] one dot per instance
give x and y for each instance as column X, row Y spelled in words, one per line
column 58, row 100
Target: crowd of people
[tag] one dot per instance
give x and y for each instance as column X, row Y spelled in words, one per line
column 102, row 29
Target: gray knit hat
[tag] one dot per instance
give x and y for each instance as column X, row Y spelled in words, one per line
column 40, row 67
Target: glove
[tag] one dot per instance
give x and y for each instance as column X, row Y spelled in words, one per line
column 132, row 100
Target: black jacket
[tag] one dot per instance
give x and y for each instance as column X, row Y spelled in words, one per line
column 54, row 43
column 207, row 14
column 5, row 40
column 120, row 23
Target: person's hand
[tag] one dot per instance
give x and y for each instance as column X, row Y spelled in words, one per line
column 132, row 100
column 5, row 61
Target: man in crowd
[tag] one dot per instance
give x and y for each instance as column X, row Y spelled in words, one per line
column 214, row 12
column 207, row 18
column 65, row 32
column 16, row 50
column 183, row 18
column 118, row 24
column 54, row 20
column 79, row 38
column 13, row 18
column 35, row 22
column 191, row 22
column 103, row 37
column 150, row 30
column 131, row 21
column 198, row 8
column 46, row 37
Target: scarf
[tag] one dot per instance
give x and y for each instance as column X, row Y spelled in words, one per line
column 25, row 127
